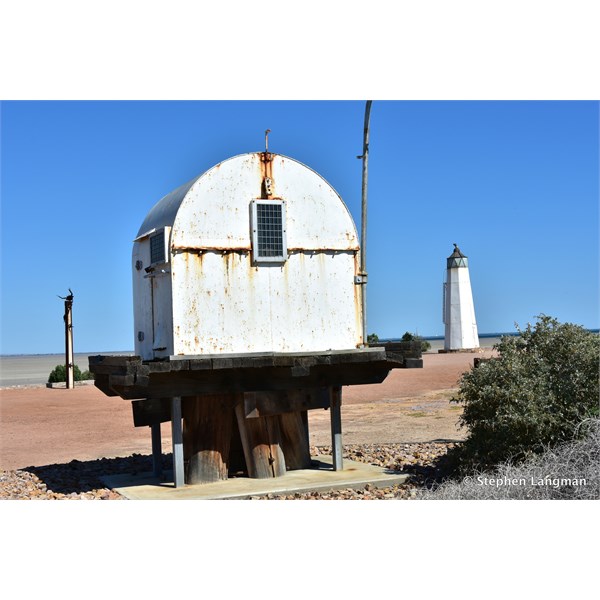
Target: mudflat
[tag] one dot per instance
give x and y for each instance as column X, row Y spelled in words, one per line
column 42, row 426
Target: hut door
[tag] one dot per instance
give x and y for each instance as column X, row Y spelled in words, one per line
column 161, row 321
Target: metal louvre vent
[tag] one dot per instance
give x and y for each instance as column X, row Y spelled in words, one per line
column 157, row 248
column 268, row 231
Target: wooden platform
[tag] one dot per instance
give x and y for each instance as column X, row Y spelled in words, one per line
column 243, row 412
column 132, row 378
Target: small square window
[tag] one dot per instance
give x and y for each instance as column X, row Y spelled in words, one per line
column 269, row 231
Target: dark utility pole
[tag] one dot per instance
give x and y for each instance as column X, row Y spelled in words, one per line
column 362, row 277
column 69, row 361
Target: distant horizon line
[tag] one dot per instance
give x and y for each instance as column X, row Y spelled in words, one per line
column 381, row 339
column 480, row 335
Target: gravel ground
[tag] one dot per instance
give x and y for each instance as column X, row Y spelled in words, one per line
column 79, row 480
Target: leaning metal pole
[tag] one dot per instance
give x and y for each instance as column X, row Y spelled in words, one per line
column 363, row 235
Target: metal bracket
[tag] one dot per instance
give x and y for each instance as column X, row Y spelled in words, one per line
column 156, row 274
column 268, row 186
column 360, row 279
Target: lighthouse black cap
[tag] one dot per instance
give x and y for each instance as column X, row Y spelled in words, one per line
column 456, row 259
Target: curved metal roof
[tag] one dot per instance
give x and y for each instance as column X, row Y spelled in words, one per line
column 164, row 212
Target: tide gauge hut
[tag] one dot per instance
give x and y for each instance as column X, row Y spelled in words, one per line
column 247, row 314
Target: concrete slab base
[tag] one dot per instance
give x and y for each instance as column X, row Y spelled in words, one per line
column 320, row 477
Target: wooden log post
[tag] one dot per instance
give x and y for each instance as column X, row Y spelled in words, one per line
column 294, row 440
column 261, row 440
column 69, row 360
column 207, row 429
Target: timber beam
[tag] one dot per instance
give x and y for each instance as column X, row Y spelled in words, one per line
column 132, row 378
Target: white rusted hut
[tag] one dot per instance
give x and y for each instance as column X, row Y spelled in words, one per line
column 258, row 254
column 247, row 314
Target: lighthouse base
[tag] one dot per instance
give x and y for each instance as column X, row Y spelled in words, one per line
column 456, row 350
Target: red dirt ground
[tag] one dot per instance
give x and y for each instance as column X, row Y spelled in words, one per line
column 42, row 426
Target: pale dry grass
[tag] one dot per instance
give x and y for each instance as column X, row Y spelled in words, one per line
column 570, row 471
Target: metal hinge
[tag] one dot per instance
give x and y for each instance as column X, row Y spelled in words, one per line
column 360, row 279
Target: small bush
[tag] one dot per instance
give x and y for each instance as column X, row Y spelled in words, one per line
column 413, row 337
column 530, row 397
column 372, row 338
column 59, row 373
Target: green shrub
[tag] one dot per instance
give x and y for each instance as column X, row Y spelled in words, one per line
column 59, row 373
column 412, row 337
column 532, row 396
column 372, row 338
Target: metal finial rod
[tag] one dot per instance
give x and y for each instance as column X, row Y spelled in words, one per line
column 363, row 236
column 267, row 132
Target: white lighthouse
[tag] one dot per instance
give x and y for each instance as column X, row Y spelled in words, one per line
column 459, row 312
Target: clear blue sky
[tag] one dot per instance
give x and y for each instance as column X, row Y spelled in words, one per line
column 513, row 183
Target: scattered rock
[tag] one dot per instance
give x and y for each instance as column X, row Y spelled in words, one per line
column 80, row 480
